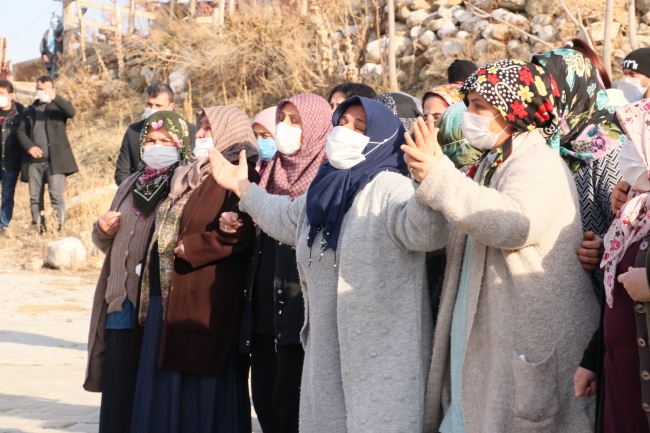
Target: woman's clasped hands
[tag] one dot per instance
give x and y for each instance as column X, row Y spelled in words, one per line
column 423, row 153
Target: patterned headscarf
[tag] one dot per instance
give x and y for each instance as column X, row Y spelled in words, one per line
column 404, row 106
column 522, row 92
column 292, row 174
column 231, row 133
column 583, row 127
column 450, row 93
column 632, row 222
column 452, row 140
column 153, row 183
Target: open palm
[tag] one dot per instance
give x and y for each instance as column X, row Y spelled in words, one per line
column 230, row 176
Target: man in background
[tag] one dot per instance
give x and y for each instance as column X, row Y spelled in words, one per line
column 10, row 151
column 52, row 46
column 42, row 134
column 459, row 71
column 636, row 67
column 158, row 97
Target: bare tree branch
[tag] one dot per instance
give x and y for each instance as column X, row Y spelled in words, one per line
column 578, row 21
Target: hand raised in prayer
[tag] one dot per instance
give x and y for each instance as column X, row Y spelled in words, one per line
column 591, row 253
column 229, row 222
column 229, row 176
column 109, row 223
column 619, row 196
column 635, row 282
column 423, row 153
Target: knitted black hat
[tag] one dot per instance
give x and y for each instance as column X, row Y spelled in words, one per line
column 460, row 70
column 638, row 61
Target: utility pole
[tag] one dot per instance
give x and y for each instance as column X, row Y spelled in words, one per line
column 392, row 66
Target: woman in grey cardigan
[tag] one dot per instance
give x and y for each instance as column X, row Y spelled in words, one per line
column 516, row 306
column 360, row 239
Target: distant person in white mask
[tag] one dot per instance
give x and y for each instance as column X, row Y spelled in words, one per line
column 158, row 97
column 636, row 68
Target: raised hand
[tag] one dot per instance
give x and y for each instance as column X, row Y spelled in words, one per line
column 619, row 196
column 229, row 222
column 635, row 281
column 423, row 153
column 109, row 223
column 229, row 176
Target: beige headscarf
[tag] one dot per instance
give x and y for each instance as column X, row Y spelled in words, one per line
column 231, row 132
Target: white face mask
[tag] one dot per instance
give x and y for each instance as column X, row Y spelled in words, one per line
column 148, row 111
column 43, row 97
column 476, row 130
column 287, row 138
column 636, row 82
column 159, row 156
column 632, row 167
column 201, row 146
column 4, row 101
column 344, row 148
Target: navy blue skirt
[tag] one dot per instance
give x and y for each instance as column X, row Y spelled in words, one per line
column 168, row 401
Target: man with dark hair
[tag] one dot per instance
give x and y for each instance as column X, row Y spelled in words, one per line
column 49, row 159
column 10, row 151
column 158, row 97
column 343, row 91
column 636, row 67
column 460, row 70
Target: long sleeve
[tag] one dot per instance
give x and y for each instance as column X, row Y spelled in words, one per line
column 209, row 246
column 411, row 225
column 607, row 174
column 100, row 239
column 513, row 217
column 123, row 164
column 65, row 106
column 276, row 215
column 22, row 133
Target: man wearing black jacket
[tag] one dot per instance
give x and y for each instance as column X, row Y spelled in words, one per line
column 10, row 150
column 42, row 134
column 158, row 97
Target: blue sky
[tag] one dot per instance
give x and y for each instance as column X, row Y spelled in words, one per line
column 23, row 23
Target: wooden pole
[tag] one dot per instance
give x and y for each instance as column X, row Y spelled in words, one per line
column 192, row 8
column 304, row 8
column 607, row 43
column 132, row 17
column 215, row 17
column 118, row 40
column 231, row 7
column 631, row 19
column 68, row 25
column 222, row 12
column 172, row 4
column 381, row 54
column 82, row 31
column 392, row 66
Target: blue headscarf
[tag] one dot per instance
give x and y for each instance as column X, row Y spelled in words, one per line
column 56, row 25
column 332, row 191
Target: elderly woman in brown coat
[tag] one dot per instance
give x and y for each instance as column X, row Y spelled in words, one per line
column 190, row 376
column 123, row 234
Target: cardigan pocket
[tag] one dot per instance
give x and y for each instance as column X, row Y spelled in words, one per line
column 536, row 393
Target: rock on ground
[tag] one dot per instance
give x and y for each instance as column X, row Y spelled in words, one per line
column 68, row 253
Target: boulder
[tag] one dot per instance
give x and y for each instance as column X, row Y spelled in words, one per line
column 548, row 34
column 66, row 253
column 501, row 14
column 462, row 34
column 401, row 14
column 560, row 21
column 401, row 29
column 371, row 72
column 518, row 50
column 480, row 26
column 148, row 74
column 415, row 32
column 536, row 7
column 541, row 20
column 435, row 25
column 34, row 264
column 646, row 18
column 454, row 2
column 489, row 50
column 402, row 44
column 402, row 77
column 469, row 25
column 598, row 31
column 446, row 12
column 452, row 47
column 462, row 16
column 415, row 5
column 427, row 38
column 447, row 30
column 501, row 32
column 513, row 5
column 416, row 18
column 484, row 5
column 643, row 6
column 178, row 81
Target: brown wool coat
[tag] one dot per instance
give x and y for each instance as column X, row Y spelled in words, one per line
column 206, row 299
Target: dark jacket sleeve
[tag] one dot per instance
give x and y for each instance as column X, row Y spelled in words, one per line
column 65, row 106
column 123, row 164
column 43, row 47
column 23, row 132
column 592, row 352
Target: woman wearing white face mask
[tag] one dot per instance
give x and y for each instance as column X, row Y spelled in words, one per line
column 123, row 234
column 516, row 308
column 360, row 239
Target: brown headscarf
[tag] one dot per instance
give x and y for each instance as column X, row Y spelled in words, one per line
column 231, row 132
column 292, row 175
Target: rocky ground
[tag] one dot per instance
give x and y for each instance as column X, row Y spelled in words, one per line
column 44, row 319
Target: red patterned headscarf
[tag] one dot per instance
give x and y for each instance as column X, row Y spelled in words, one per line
column 291, row 175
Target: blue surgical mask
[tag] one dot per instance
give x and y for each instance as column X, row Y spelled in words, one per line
column 267, row 148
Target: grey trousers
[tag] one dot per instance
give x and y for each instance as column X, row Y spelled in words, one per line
column 40, row 173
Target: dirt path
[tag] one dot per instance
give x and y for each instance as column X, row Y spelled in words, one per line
column 44, row 319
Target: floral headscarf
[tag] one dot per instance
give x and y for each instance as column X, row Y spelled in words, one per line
column 153, row 183
column 452, row 140
column 632, row 222
column 583, row 127
column 450, row 93
column 522, row 92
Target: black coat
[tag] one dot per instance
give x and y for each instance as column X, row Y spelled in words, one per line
column 11, row 151
column 129, row 156
column 58, row 111
column 287, row 295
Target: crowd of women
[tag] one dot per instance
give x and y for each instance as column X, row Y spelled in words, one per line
column 377, row 263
